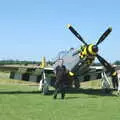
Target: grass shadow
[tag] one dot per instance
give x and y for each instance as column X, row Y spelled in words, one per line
column 72, row 97
column 90, row 91
column 20, row 92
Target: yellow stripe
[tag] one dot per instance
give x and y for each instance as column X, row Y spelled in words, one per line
column 84, row 51
column 90, row 49
column 113, row 74
column 71, row 73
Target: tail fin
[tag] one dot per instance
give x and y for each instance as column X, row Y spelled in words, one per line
column 43, row 62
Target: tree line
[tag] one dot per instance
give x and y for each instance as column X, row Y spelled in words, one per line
column 117, row 62
column 25, row 62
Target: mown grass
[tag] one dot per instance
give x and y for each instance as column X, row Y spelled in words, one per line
column 24, row 102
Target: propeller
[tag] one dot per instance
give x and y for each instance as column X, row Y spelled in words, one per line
column 107, row 65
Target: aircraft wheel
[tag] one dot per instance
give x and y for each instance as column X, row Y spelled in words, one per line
column 76, row 83
column 107, row 91
column 45, row 89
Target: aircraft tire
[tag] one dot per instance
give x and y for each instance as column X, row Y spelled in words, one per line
column 107, row 91
column 45, row 90
column 76, row 83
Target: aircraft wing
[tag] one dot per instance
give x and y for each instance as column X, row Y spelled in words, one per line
column 27, row 73
column 93, row 72
column 11, row 68
column 8, row 68
column 90, row 73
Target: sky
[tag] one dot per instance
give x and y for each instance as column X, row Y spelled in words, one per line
column 30, row 29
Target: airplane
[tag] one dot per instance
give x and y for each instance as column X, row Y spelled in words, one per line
column 78, row 63
column 86, row 54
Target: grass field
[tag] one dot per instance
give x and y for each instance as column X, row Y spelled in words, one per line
column 24, row 102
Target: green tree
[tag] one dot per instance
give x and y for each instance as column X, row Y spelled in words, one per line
column 117, row 62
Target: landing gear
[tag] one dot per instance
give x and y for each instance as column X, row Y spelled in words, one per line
column 105, row 83
column 44, row 86
column 76, row 83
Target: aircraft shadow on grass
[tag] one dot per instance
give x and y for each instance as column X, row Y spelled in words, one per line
column 90, row 91
column 20, row 92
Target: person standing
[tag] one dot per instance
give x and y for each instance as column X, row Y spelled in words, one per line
column 61, row 77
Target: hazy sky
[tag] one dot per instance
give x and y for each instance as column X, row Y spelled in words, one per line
column 30, row 29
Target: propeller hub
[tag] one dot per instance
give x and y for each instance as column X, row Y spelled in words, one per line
column 95, row 48
column 92, row 49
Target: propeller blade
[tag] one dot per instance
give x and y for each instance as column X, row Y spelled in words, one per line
column 104, row 63
column 104, row 35
column 76, row 34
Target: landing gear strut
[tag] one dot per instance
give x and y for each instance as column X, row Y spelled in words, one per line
column 105, row 83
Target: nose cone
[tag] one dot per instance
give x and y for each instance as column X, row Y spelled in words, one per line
column 95, row 49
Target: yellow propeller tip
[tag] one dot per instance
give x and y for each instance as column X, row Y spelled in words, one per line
column 68, row 25
column 110, row 28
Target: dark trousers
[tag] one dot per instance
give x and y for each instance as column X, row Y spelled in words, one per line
column 115, row 82
column 59, row 89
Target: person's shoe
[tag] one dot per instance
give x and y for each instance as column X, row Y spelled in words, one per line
column 54, row 97
column 62, row 97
